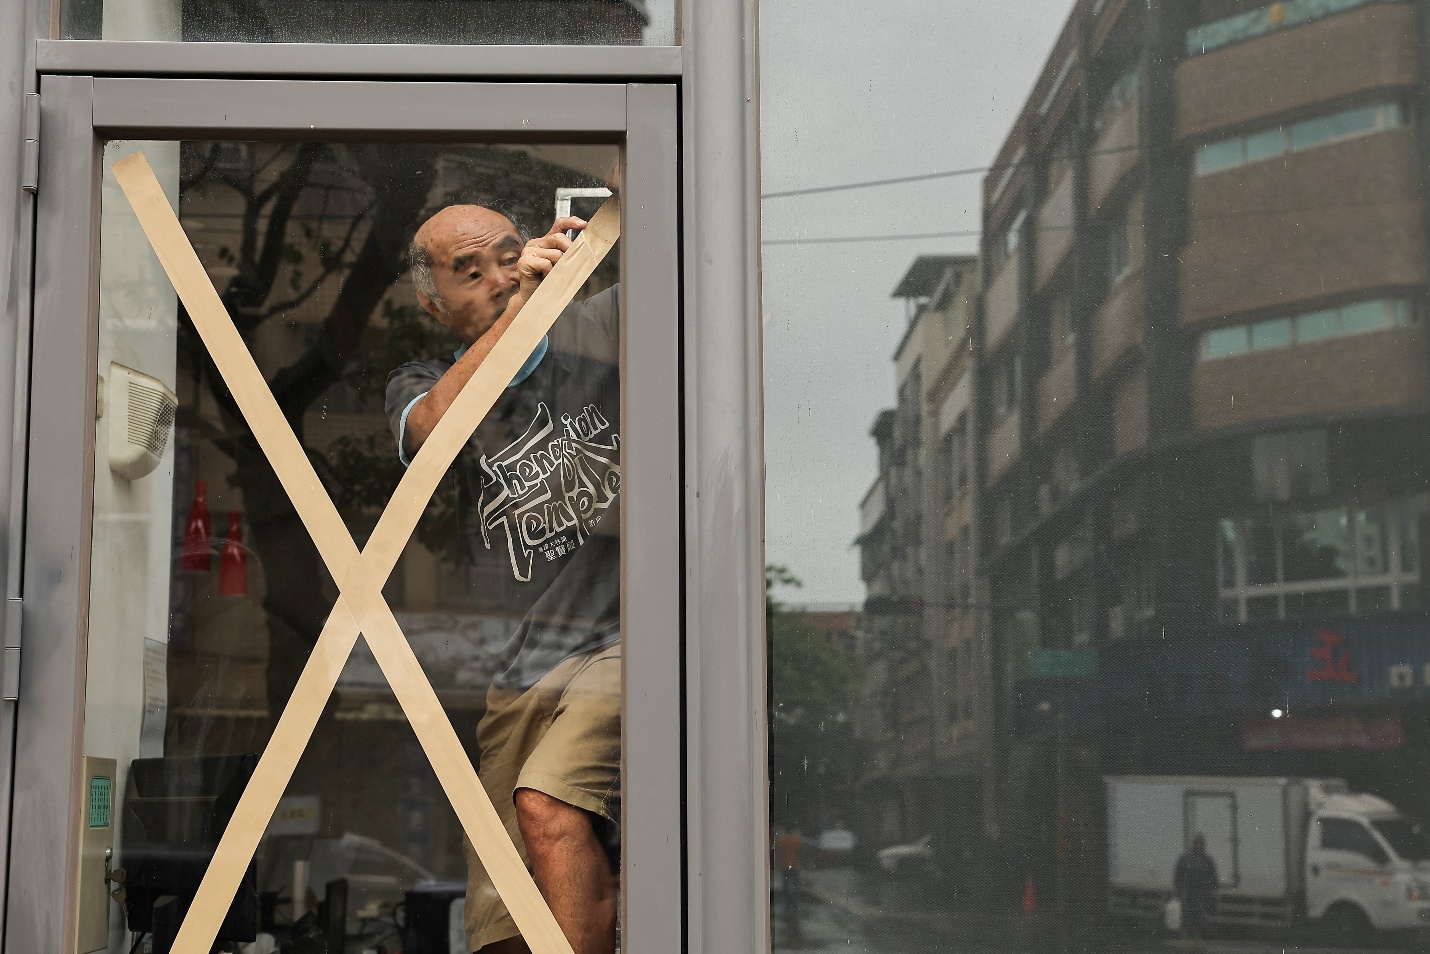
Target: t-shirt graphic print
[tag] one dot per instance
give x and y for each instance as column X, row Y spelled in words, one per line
column 545, row 493
column 539, row 489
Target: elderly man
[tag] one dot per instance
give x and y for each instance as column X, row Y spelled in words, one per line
column 540, row 480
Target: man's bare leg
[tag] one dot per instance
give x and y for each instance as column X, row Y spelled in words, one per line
column 571, row 870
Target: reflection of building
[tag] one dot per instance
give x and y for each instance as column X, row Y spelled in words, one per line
column 1201, row 425
column 924, row 712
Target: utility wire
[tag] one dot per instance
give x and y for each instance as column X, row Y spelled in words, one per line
column 924, row 177
column 1199, row 219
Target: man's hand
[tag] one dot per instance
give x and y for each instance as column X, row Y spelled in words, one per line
column 540, row 254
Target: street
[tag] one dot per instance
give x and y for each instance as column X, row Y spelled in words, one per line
column 841, row 910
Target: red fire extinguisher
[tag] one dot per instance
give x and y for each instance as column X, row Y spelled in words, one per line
column 233, row 561
column 196, row 556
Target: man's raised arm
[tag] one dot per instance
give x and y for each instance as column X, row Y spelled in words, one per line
column 464, row 274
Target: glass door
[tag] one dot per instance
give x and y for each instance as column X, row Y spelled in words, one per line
column 352, row 566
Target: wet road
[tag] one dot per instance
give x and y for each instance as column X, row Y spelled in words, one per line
column 839, row 912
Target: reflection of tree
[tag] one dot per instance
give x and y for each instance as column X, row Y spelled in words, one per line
column 814, row 684
column 321, row 229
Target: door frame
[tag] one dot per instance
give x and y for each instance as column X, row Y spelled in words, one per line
column 77, row 114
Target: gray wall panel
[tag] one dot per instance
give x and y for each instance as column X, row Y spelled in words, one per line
column 289, row 109
column 727, row 741
column 57, row 547
column 651, row 537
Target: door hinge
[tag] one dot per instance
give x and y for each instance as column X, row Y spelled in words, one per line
column 30, row 150
column 10, row 673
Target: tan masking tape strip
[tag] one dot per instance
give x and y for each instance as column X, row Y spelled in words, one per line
column 357, row 585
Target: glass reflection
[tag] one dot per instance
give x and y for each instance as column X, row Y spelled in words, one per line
column 503, row 22
column 207, row 593
column 1132, row 468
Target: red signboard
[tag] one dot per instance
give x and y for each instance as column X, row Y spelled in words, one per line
column 1322, row 733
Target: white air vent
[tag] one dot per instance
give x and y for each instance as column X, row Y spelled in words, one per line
column 141, row 413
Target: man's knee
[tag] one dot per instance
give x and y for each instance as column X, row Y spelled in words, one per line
column 546, row 821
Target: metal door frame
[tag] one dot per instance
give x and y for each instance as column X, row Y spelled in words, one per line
column 77, row 114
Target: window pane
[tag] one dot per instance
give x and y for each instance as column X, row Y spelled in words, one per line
column 1317, row 324
column 1265, row 145
column 1409, row 596
column 1409, row 536
column 567, row 22
column 1260, row 551
column 1188, row 464
column 1355, row 121
column 1219, row 155
column 1271, row 334
column 1365, row 316
column 1372, row 541
column 1312, row 132
column 208, row 595
column 1316, row 546
column 1226, row 536
column 1224, row 341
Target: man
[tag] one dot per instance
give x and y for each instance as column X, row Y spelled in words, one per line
column 540, row 478
column 1195, row 881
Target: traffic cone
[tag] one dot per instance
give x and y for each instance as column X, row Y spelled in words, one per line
column 1030, row 899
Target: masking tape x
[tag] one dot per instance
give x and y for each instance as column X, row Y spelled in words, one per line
column 361, row 607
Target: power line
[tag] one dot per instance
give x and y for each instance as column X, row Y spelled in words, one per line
column 871, row 183
column 924, row 177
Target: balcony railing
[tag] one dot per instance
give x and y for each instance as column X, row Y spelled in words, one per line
column 1264, row 20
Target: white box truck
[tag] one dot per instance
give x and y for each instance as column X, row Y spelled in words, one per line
column 1285, row 849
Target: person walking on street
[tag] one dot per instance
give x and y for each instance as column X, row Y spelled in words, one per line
column 1195, row 882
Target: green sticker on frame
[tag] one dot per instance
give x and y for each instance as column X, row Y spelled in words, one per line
column 100, row 799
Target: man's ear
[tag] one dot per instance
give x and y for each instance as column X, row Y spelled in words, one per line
column 431, row 307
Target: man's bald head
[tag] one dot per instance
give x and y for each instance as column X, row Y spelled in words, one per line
column 464, row 267
column 431, row 246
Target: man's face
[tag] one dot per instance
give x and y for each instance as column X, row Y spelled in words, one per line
column 474, row 253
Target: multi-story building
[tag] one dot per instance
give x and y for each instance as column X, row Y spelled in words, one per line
column 1204, row 395
column 925, row 698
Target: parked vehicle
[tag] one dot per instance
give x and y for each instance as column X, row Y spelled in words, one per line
column 1285, row 849
column 907, row 859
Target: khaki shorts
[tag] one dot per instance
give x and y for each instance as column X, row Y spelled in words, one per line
column 561, row 737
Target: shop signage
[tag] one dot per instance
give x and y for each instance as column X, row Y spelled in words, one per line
column 1322, row 733
column 1254, row 670
column 1354, row 664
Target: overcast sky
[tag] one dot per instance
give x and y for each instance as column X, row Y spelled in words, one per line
column 852, row 91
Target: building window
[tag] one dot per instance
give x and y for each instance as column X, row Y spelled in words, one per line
column 1005, row 243
column 1006, row 382
column 1060, row 321
column 955, row 455
column 1119, row 249
column 1335, row 561
column 1307, row 134
column 1003, row 521
column 1353, row 319
column 1117, row 96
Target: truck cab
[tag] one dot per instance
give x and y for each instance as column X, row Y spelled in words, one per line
column 1367, row 866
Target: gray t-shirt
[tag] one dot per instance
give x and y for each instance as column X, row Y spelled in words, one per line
column 541, row 476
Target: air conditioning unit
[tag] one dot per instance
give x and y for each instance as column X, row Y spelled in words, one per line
column 140, row 409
